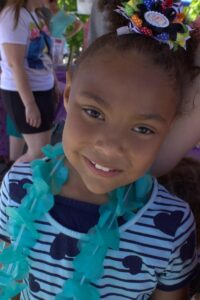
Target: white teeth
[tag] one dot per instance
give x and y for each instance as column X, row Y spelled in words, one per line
column 102, row 168
column 99, row 167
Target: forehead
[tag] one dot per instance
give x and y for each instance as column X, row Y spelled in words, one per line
column 128, row 82
column 124, row 63
column 124, row 75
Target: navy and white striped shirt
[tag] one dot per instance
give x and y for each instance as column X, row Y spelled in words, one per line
column 157, row 247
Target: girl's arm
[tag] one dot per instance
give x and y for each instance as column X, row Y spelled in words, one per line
column 15, row 54
column 77, row 26
column 184, row 134
column 181, row 294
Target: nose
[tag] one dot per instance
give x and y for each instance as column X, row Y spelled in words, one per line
column 110, row 142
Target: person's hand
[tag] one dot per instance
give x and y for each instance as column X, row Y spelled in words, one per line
column 33, row 116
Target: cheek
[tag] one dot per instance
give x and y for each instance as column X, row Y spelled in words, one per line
column 143, row 152
column 76, row 131
column 146, row 146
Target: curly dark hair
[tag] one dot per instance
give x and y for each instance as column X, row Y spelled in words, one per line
column 175, row 63
column 184, row 182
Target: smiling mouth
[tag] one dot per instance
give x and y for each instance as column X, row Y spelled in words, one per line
column 100, row 169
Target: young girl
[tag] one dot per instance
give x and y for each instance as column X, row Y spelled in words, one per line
column 185, row 133
column 27, row 81
column 91, row 223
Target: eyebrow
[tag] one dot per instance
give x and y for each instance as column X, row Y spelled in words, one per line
column 144, row 117
column 96, row 98
column 150, row 116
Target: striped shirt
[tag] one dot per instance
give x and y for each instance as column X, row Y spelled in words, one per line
column 157, row 247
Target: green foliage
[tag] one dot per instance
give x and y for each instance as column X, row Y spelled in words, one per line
column 193, row 10
column 70, row 5
column 76, row 41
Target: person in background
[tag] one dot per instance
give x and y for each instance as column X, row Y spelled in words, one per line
column 12, row 143
column 27, row 81
column 44, row 13
column 3, row 136
column 99, row 21
column 62, row 25
column 16, row 141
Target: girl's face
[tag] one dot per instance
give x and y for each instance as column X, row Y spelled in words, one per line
column 53, row 6
column 35, row 3
column 119, row 110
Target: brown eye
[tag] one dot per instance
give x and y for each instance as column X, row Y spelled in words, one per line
column 93, row 113
column 143, row 130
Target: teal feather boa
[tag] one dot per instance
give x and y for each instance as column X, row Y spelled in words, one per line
column 48, row 179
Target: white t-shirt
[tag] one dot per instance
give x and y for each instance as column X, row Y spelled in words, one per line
column 37, row 62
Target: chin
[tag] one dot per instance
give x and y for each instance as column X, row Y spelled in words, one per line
column 98, row 190
column 101, row 188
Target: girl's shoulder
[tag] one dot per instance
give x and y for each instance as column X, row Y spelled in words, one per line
column 169, row 208
column 8, row 16
column 10, row 10
column 166, row 198
column 15, row 179
column 7, row 13
column 163, row 215
column 160, row 194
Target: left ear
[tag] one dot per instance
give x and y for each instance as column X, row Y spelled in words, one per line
column 67, row 88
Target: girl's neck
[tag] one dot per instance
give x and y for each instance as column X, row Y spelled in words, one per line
column 76, row 189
